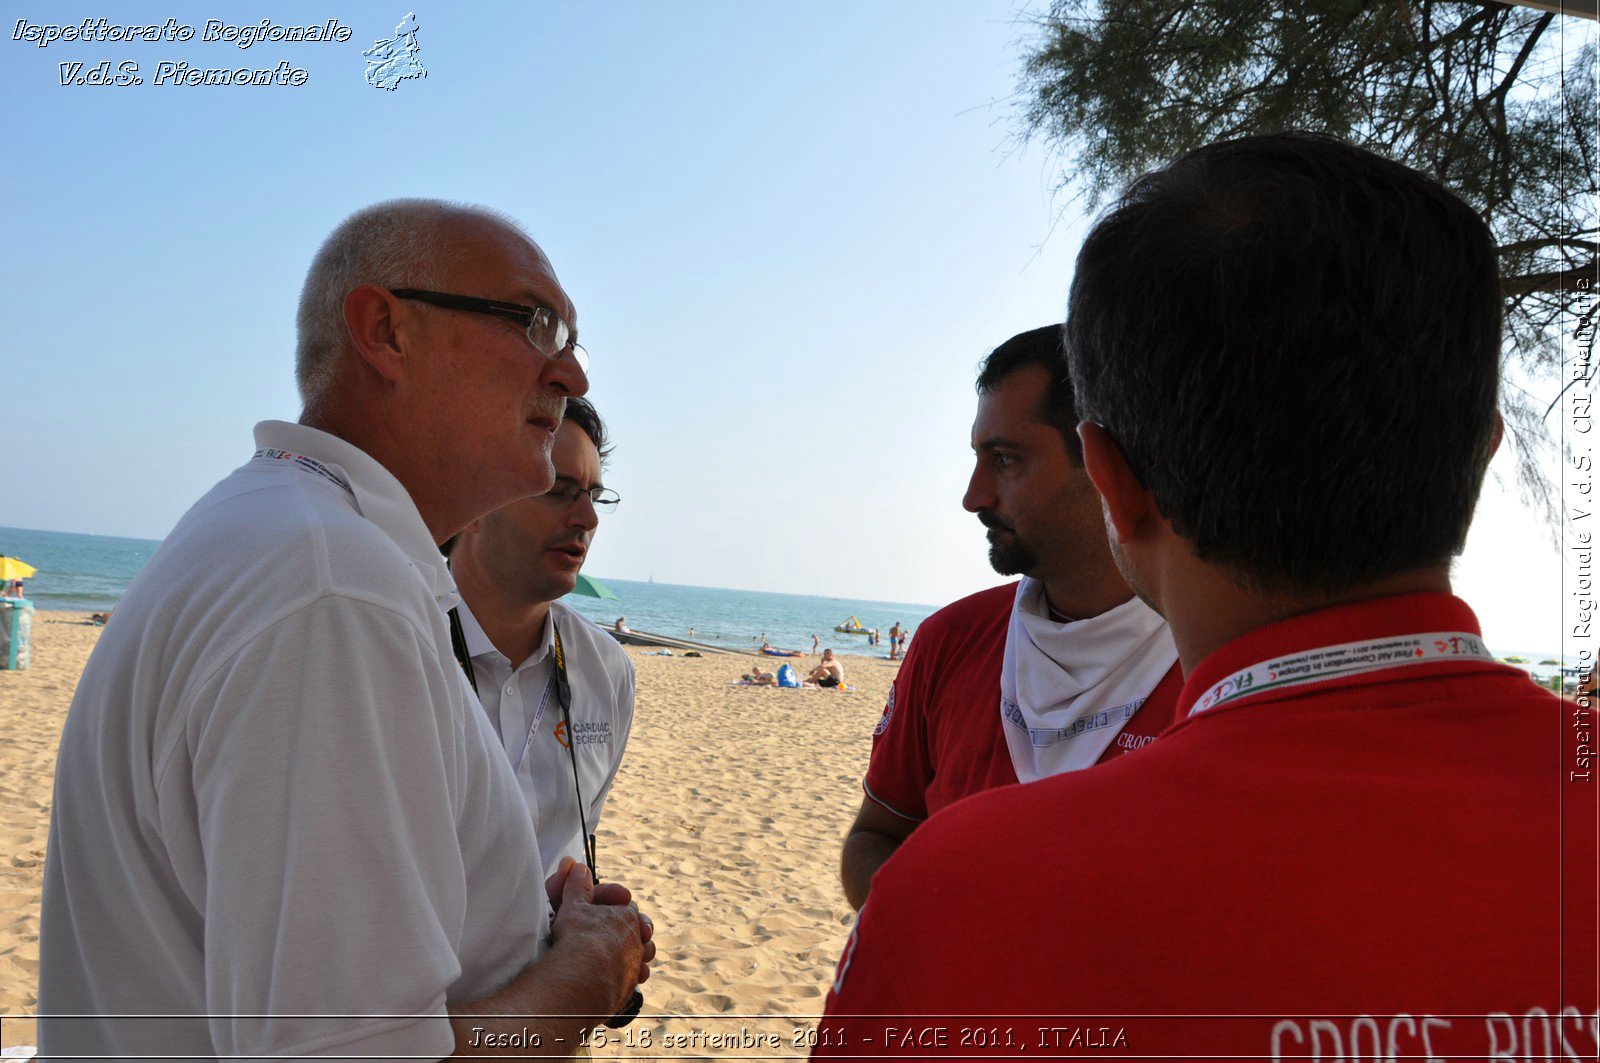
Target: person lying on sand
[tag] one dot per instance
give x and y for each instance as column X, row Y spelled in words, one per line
column 759, row 678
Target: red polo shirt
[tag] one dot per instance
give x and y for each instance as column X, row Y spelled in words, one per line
column 940, row 738
column 1400, row 861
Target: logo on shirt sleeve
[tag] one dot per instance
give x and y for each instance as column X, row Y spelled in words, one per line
column 888, row 714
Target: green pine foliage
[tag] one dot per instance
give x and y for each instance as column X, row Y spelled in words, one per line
column 1497, row 102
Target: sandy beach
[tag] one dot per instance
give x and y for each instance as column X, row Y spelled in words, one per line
column 725, row 820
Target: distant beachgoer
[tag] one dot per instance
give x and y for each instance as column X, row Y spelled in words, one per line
column 815, row 642
column 622, row 626
column 691, row 632
column 830, row 673
column 894, row 641
column 759, row 678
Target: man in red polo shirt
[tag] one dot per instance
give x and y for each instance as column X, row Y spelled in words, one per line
column 1373, row 841
column 1058, row 672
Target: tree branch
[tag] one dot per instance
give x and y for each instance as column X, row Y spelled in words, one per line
column 1565, row 280
column 1548, row 241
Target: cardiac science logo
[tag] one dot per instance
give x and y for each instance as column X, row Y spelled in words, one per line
column 586, row 732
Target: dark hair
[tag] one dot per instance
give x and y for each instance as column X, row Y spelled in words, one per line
column 1041, row 347
column 582, row 413
column 1296, row 343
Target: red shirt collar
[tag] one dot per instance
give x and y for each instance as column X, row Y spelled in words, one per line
column 1372, row 618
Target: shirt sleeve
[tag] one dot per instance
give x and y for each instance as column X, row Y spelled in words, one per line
column 863, row 998
column 901, row 768
column 328, row 779
column 624, row 691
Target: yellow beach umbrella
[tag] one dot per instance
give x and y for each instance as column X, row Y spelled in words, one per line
column 11, row 568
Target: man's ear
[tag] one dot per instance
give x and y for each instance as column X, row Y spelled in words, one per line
column 1127, row 502
column 369, row 315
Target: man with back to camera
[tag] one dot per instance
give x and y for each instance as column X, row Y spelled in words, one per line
column 1020, row 682
column 281, row 825
column 511, row 566
column 1365, row 810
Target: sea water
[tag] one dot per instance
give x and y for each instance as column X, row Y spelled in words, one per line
column 88, row 573
column 740, row 619
column 79, row 573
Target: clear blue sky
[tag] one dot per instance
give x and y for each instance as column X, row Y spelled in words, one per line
column 791, row 233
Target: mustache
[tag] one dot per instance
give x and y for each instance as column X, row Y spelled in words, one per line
column 551, row 406
column 987, row 518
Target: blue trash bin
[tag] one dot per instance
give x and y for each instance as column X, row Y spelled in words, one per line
column 16, row 626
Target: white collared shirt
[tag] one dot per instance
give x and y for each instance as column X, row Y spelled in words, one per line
column 521, row 705
column 276, row 803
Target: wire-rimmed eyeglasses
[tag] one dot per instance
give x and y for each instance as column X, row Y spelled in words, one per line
column 566, row 491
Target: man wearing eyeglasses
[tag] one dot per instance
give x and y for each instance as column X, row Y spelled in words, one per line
column 511, row 567
column 282, row 826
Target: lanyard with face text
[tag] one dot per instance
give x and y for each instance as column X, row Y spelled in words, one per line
column 1345, row 659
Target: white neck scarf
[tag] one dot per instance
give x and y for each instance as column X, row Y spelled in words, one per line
column 1067, row 689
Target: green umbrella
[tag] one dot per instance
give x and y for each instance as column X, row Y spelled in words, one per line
column 593, row 588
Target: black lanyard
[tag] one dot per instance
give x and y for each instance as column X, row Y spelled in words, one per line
column 458, row 644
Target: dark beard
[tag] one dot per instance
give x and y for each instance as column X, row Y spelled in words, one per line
column 1010, row 558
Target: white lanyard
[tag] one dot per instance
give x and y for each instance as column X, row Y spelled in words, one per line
column 1349, row 658
column 533, row 727
column 304, row 463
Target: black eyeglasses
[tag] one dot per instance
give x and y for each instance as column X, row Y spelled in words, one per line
column 544, row 327
column 566, row 492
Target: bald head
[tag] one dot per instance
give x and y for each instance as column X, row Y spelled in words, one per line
column 401, row 243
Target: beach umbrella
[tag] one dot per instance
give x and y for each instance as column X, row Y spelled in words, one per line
column 11, row 568
column 593, row 588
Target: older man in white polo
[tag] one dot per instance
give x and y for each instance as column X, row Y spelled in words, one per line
column 281, row 825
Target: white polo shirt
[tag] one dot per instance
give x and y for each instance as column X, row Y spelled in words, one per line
column 521, row 705
column 275, row 797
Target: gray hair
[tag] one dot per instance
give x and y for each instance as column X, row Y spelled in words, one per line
column 400, row 243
